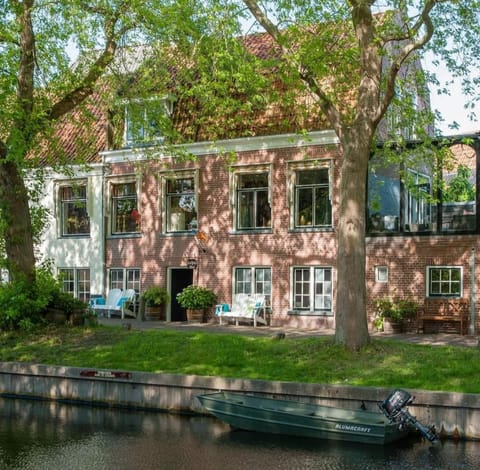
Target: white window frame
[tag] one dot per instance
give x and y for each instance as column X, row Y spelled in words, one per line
column 114, row 181
column 311, row 310
column 235, row 172
column 381, row 274
column 253, row 280
column 166, row 104
column 125, row 283
column 443, row 295
column 292, row 168
column 76, row 281
column 62, row 206
column 164, row 177
column 418, row 211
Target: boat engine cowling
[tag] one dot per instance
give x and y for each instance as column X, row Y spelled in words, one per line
column 395, row 402
column 395, row 409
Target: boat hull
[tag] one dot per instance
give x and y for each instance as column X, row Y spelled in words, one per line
column 300, row 419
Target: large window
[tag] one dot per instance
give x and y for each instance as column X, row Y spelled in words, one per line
column 180, row 204
column 253, row 206
column 125, row 278
column 73, row 210
column 444, row 281
column 418, row 196
column 312, row 198
column 383, row 197
column 254, row 280
column 312, row 289
column 124, row 208
column 309, row 194
column 417, row 202
column 76, row 281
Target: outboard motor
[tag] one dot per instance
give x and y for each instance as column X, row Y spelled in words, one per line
column 394, row 407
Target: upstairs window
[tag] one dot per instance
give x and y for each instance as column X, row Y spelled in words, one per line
column 73, row 210
column 417, row 202
column 179, row 201
column 146, row 121
column 124, row 208
column 312, row 203
column 250, row 197
column 253, row 206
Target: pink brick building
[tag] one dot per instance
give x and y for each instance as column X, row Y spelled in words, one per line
column 256, row 213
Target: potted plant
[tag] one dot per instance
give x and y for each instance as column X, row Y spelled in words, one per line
column 63, row 307
column 154, row 300
column 196, row 300
column 393, row 314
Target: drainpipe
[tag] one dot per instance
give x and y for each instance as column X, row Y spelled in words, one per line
column 472, row 292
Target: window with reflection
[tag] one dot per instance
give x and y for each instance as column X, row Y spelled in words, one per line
column 254, row 280
column 422, row 200
column 124, row 208
column 444, row 281
column 383, row 197
column 76, row 281
column 181, row 212
column 73, row 213
column 312, row 289
column 312, row 198
column 146, row 120
column 253, row 206
column 417, row 202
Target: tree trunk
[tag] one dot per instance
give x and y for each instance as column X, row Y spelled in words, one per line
column 17, row 226
column 351, row 328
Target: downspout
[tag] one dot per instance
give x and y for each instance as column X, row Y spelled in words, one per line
column 472, row 292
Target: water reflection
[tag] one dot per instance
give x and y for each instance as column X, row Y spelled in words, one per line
column 46, row 435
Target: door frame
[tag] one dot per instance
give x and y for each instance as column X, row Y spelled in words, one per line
column 170, row 269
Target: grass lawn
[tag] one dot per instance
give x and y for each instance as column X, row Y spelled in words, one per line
column 384, row 363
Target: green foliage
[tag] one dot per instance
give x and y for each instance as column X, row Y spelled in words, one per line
column 196, row 297
column 22, row 305
column 396, row 309
column 459, row 189
column 155, row 296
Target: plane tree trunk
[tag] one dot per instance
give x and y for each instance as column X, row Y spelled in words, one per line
column 17, row 228
column 351, row 327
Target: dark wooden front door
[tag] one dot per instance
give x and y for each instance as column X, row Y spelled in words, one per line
column 180, row 278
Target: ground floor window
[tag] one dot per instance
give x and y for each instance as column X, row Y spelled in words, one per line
column 444, row 281
column 125, row 278
column 312, row 289
column 254, row 280
column 76, row 281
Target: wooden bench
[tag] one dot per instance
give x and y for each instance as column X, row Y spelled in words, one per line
column 445, row 312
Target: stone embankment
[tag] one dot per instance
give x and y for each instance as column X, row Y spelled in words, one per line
column 455, row 415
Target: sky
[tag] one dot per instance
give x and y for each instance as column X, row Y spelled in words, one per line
column 451, row 106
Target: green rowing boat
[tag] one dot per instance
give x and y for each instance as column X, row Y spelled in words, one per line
column 268, row 415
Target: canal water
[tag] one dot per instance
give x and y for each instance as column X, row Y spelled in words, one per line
column 39, row 435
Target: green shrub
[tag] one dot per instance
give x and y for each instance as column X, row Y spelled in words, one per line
column 395, row 308
column 22, row 306
column 155, row 296
column 196, row 298
column 19, row 305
